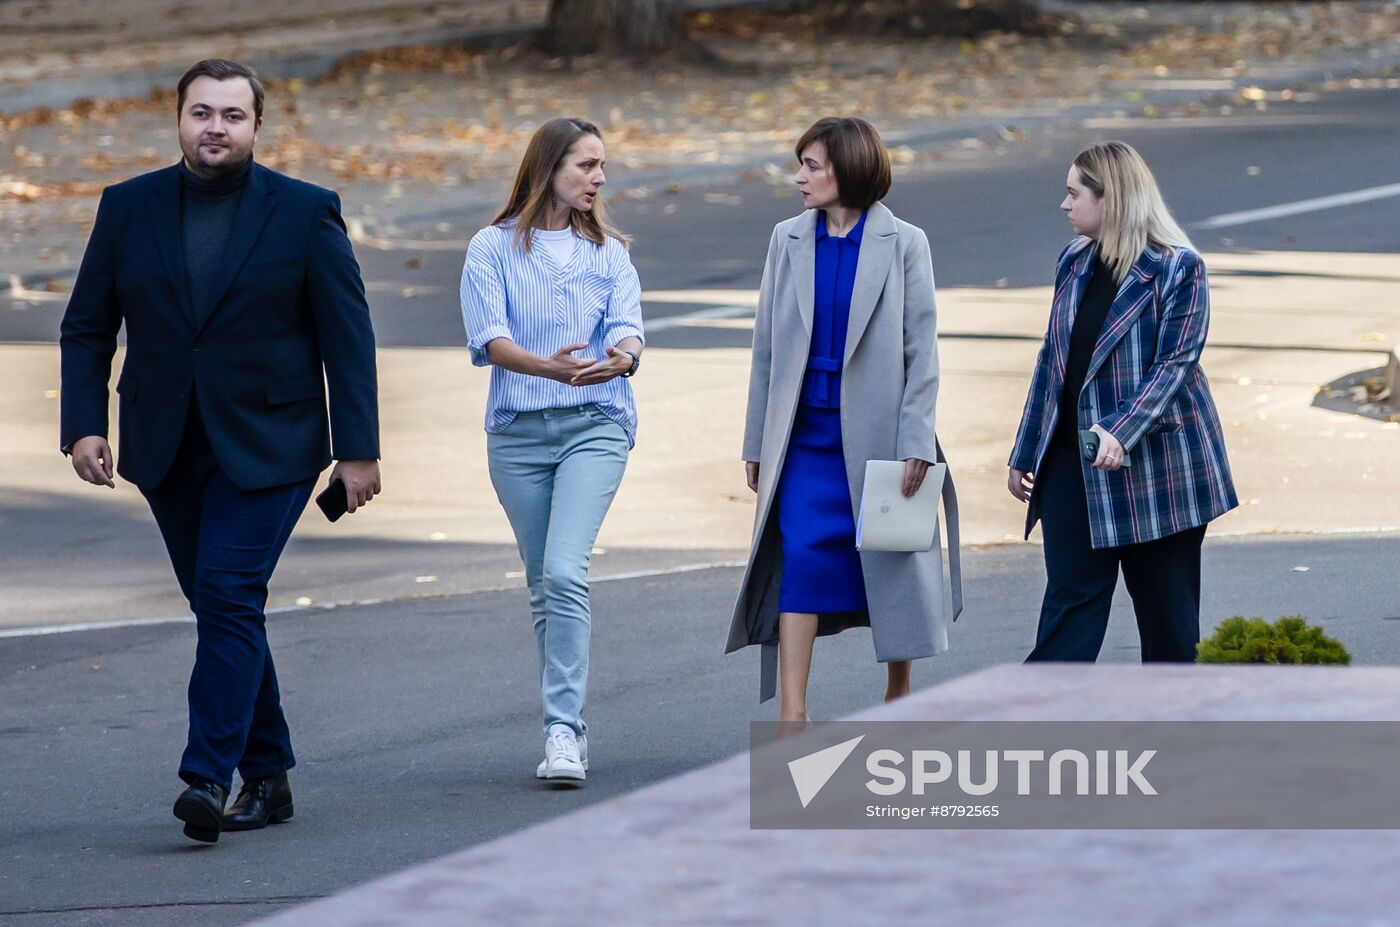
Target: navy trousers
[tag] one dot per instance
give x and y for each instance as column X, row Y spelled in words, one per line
column 224, row 543
column 1163, row 577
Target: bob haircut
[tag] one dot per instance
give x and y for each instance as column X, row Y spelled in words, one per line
column 857, row 155
column 530, row 195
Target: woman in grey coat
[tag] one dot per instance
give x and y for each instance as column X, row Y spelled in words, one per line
column 845, row 370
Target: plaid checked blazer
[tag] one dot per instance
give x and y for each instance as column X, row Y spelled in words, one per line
column 1145, row 387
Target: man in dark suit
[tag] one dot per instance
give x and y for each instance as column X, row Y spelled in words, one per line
column 242, row 301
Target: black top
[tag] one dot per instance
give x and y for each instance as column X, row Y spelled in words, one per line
column 1088, row 323
column 207, row 211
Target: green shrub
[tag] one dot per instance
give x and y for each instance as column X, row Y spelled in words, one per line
column 1254, row 640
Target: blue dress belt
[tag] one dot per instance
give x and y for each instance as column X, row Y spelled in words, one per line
column 821, row 384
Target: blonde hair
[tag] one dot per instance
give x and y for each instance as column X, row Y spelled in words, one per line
column 530, row 195
column 1134, row 213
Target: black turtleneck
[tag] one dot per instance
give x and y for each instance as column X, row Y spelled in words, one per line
column 207, row 211
column 1084, row 335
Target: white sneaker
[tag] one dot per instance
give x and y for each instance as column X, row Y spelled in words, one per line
column 563, row 758
column 582, row 756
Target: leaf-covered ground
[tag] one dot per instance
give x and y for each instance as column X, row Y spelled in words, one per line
column 420, row 123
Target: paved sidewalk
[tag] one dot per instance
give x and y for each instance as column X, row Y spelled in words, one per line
column 686, row 853
column 1283, row 323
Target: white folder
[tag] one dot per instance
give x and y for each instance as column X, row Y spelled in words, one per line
column 889, row 521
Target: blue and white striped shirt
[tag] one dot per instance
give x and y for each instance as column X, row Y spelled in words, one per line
column 508, row 292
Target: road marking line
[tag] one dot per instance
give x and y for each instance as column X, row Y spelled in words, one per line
column 698, row 317
column 1302, row 206
column 44, row 631
column 703, row 297
column 1209, row 122
column 685, row 568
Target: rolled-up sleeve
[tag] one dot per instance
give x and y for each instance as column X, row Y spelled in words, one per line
column 623, row 316
column 483, row 299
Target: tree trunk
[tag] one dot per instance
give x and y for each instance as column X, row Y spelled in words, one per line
column 628, row 27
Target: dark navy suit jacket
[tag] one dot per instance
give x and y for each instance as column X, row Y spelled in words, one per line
column 286, row 318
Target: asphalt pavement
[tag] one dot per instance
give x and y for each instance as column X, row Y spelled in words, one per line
column 992, row 218
column 417, row 730
column 990, row 209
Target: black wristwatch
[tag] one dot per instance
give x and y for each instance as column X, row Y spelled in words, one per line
column 636, row 362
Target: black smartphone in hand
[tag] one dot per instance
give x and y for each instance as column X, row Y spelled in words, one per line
column 1088, row 445
column 333, row 501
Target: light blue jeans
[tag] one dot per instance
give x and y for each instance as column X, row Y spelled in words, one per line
column 555, row 473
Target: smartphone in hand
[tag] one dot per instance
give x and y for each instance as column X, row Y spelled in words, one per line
column 333, row 501
column 1088, row 445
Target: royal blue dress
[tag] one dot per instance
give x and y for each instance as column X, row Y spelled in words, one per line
column 821, row 567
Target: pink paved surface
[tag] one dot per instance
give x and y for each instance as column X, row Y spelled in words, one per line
column 681, row 852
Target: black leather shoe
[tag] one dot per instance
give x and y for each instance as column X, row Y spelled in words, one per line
column 201, row 807
column 260, row 802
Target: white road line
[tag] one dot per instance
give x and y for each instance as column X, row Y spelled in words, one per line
column 687, row 568
column 1138, row 123
column 1292, row 209
column 44, row 631
column 703, row 297
column 698, row 317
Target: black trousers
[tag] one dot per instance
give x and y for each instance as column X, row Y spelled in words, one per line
column 1163, row 577
column 224, row 543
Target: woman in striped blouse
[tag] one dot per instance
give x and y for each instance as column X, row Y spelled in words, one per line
column 552, row 303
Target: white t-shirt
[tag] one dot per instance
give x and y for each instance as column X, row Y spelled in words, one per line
column 560, row 244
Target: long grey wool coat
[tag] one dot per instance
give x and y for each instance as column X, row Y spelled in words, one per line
column 889, row 385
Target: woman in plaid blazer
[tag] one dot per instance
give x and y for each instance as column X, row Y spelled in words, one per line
column 1120, row 453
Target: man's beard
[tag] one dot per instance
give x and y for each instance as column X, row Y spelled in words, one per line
column 214, row 171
